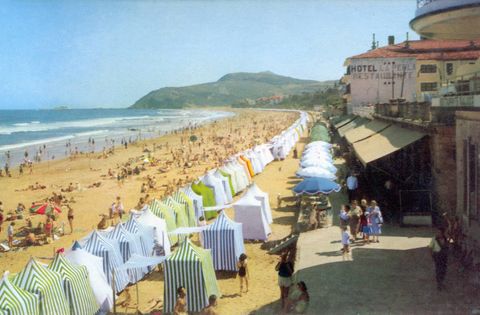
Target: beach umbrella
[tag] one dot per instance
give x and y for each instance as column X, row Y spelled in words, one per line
column 44, row 208
column 316, row 185
column 193, row 138
column 326, row 164
column 316, row 171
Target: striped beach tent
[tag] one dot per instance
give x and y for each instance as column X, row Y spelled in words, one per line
column 76, row 286
column 16, row 301
column 47, row 284
column 145, row 233
column 217, row 187
column 224, row 238
column 181, row 217
column 109, row 250
column 161, row 210
column 182, row 198
column 197, row 201
column 129, row 245
column 192, row 267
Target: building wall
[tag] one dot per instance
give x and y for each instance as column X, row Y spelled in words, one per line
column 443, row 158
column 371, row 80
column 468, row 132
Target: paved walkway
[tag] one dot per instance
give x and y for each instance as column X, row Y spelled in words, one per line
column 395, row 276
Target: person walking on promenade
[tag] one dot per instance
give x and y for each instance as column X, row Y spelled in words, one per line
column 243, row 273
column 345, row 242
column 376, row 221
column 285, row 272
column 439, row 250
column 352, row 186
column 354, row 222
column 365, row 225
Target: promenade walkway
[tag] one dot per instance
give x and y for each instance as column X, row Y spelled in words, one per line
column 395, row 276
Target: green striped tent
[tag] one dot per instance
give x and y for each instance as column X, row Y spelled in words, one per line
column 180, row 210
column 192, row 267
column 16, row 301
column 48, row 284
column 183, row 199
column 76, row 286
column 163, row 211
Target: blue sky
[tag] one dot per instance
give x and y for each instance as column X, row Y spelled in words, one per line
column 110, row 53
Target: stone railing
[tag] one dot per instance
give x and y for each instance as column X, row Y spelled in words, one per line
column 411, row 111
column 457, row 101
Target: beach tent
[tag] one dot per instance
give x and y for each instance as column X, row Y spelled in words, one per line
column 16, row 301
column 249, row 165
column 265, row 154
column 147, row 218
column 226, row 185
column 76, row 286
column 109, row 250
column 161, row 210
column 208, row 198
column 248, row 211
column 197, row 201
column 263, row 197
column 217, row 186
column 97, row 278
column 182, row 198
column 192, row 267
column 244, row 166
column 47, row 284
column 229, row 178
column 129, row 245
column 181, row 217
column 255, row 160
column 224, row 238
column 145, row 233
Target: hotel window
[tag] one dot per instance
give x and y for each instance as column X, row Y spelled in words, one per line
column 449, row 68
column 428, row 86
column 428, row 69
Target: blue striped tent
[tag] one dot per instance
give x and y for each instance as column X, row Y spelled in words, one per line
column 197, row 201
column 109, row 250
column 76, row 286
column 143, row 232
column 161, row 210
column 129, row 245
column 183, row 199
column 16, row 301
column 47, row 284
column 192, row 267
column 224, row 238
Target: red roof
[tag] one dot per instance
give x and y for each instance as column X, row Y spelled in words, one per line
column 427, row 50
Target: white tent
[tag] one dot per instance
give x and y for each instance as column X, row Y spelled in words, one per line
column 248, row 211
column 263, row 197
column 147, row 218
column 98, row 280
column 255, row 160
column 226, row 185
column 217, row 186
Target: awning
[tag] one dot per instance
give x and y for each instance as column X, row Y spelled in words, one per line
column 345, row 121
column 351, row 125
column 365, row 131
column 384, row 143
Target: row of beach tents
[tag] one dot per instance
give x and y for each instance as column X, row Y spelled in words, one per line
column 80, row 280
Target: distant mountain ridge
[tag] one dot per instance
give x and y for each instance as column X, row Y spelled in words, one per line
column 228, row 89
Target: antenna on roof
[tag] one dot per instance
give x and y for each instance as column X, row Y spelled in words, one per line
column 374, row 43
column 407, row 44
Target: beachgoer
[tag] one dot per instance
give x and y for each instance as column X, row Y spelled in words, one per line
column 285, row 272
column 10, row 232
column 298, row 301
column 103, row 224
column 118, row 207
column 48, row 227
column 345, row 241
column 70, row 218
column 210, row 309
column 376, row 221
column 344, row 215
column 181, row 304
column 364, row 224
column 352, row 186
column 243, row 273
column 439, row 250
column 354, row 222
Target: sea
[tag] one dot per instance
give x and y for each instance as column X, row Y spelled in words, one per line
column 41, row 135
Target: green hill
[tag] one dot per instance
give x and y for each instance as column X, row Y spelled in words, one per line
column 229, row 89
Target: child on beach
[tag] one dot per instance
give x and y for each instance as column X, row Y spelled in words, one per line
column 243, row 272
column 345, row 241
column 10, row 233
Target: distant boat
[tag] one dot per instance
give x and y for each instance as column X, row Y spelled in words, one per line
column 61, row 108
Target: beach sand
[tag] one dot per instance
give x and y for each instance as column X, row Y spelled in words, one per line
column 244, row 130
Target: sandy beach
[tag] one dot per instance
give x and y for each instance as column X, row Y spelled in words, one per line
column 215, row 142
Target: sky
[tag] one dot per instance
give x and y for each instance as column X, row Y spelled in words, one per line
column 110, row 53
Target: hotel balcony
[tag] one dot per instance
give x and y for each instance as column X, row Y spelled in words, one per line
column 447, row 19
